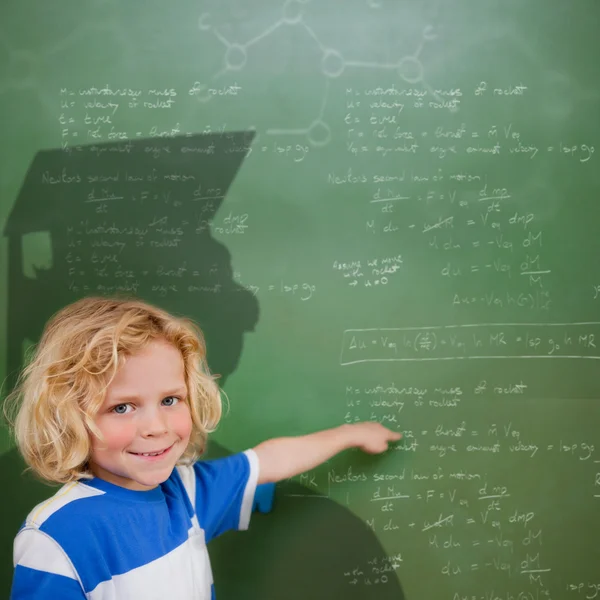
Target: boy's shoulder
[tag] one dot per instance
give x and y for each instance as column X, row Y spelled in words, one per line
column 95, row 505
column 71, row 500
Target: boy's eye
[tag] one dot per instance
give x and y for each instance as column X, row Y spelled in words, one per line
column 170, row 401
column 121, row 409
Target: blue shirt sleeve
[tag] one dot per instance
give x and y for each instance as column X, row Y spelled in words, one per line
column 31, row 584
column 225, row 490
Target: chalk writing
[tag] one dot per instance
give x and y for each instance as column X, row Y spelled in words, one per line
column 476, row 341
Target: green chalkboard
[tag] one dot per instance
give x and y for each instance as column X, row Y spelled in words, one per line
column 376, row 210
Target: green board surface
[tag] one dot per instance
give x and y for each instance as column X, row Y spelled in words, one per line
column 376, row 210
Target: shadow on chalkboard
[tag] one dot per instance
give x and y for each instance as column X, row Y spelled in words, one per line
column 135, row 218
column 132, row 218
column 308, row 548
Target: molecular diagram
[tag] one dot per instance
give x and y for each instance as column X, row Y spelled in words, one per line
column 333, row 64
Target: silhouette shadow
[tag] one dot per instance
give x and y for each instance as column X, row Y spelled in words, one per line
column 308, row 547
column 134, row 218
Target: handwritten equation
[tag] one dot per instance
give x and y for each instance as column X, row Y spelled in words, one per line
column 472, row 341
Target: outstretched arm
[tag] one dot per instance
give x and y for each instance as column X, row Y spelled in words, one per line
column 281, row 458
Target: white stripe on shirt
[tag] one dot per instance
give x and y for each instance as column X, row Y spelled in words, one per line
column 248, row 499
column 36, row 550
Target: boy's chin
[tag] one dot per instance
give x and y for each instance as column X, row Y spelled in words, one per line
column 153, row 479
column 149, row 483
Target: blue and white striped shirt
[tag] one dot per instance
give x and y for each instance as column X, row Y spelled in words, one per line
column 99, row 541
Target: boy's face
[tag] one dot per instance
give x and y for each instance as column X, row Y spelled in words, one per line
column 145, row 412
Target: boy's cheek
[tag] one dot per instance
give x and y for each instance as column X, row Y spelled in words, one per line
column 184, row 429
column 113, row 439
column 182, row 424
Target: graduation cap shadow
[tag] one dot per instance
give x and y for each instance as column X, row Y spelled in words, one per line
column 133, row 218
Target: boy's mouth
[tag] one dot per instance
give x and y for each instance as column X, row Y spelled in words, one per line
column 156, row 454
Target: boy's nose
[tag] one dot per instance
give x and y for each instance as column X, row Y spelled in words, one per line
column 153, row 424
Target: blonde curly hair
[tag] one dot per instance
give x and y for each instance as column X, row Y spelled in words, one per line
column 53, row 407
